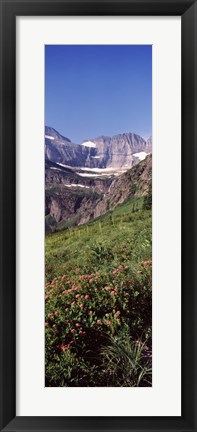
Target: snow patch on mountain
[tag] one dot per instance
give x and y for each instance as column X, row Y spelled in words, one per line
column 140, row 155
column 89, row 144
column 49, row 137
column 77, row 185
column 101, row 170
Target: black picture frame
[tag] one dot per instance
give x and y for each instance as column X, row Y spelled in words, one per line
column 8, row 13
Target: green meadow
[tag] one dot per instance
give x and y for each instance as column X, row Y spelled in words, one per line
column 98, row 297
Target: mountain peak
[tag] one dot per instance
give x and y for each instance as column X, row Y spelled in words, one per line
column 51, row 133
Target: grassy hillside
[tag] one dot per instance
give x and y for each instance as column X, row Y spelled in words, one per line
column 98, row 300
column 126, row 226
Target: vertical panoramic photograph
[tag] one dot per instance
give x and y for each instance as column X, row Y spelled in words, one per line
column 98, row 215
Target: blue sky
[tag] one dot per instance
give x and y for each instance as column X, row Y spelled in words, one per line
column 93, row 90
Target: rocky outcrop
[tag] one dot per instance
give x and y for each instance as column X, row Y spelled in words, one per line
column 135, row 182
column 64, row 205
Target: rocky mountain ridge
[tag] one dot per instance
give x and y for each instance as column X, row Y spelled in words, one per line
column 123, row 150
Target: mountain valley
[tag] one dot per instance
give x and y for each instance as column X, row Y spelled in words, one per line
column 84, row 181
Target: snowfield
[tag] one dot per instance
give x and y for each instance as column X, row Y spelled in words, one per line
column 140, row 155
column 89, row 144
column 77, row 185
column 97, row 172
column 93, row 175
column 101, row 170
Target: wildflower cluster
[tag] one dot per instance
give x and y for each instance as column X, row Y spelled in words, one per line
column 83, row 309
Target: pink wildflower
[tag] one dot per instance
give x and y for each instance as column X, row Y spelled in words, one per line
column 63, row 347
column 108, row 322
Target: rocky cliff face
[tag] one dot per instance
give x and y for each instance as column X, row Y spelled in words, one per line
column 102, row 152
column 68, row 197
column 149, row 145
column 118, row 151
column 64, row 205
column 56, row 175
